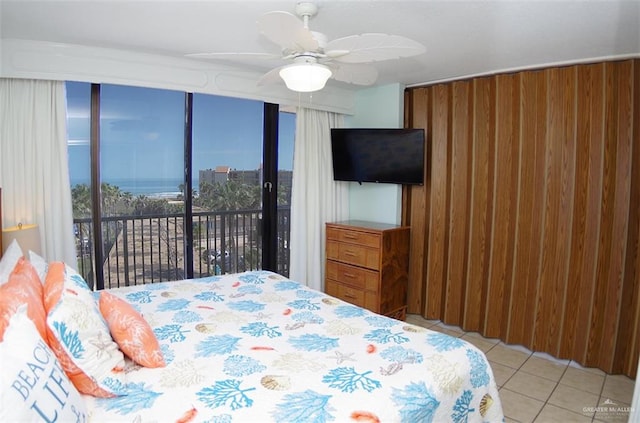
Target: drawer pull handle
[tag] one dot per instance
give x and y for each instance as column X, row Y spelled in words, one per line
column 350, row 236
column 352, row 297
column 349, row 275
column 349, row 253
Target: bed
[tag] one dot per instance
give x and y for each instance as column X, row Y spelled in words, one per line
column 257, row 346
column 246, row 347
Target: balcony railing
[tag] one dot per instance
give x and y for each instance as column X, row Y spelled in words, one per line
column 146, row 249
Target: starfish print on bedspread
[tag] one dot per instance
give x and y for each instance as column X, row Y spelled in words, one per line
column 341, row 358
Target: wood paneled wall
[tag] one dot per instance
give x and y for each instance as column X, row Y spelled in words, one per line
column 528, row 226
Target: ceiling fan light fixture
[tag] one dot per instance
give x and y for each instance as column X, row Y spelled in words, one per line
column 305, row 77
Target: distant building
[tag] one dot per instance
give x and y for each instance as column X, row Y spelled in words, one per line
column 248, row 177
column 219, row 174
column 222, row 174
column 285, row 178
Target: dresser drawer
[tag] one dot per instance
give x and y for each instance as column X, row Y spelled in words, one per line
column 367, row 299
column 356, row 277
column 354, row 237
column 345, row 293
column 354, row 254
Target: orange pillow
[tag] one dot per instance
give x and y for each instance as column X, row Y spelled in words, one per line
column 25, row 271
column 53, row 284
column 131, row 332
column 23, row 287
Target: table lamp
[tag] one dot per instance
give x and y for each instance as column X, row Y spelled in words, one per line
column 28, row 237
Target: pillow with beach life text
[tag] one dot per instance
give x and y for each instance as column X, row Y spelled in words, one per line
column 79, row 336
column 33, row 384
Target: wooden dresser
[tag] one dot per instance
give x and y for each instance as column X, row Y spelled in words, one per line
column 368, row 265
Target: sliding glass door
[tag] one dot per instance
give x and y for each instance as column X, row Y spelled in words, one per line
column 227, row 179
column 79, row 151
column 141, row 161
column 133, row 155
column 286, row 136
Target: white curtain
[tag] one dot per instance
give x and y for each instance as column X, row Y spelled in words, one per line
column 315, row 198
column 34, row 172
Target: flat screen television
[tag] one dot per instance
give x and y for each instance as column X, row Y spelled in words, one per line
column 394, row 156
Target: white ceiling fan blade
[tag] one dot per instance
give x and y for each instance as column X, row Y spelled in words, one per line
column 366, row 48
column 354, row 74
column 271, row 77
column 234, row 56
column 287, row 31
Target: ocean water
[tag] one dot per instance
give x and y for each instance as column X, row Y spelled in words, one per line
column 148, row 187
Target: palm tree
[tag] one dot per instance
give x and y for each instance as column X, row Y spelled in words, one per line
column 229, row 196
column 111, row 195
column 233, row 195
column 181, row 188
column 81, row 200
column 284, row 194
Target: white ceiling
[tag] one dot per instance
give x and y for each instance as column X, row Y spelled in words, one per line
column 462, row 38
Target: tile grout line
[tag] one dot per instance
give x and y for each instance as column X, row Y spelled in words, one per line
column 510, row 377
column 604, row 382
column 551, row 394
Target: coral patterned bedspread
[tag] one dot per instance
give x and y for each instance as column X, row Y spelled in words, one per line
column 257, row 347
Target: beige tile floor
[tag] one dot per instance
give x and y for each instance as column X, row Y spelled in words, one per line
column 536, row 387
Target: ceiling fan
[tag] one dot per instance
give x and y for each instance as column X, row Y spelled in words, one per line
column 314, row 59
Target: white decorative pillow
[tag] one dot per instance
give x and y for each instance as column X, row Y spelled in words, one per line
column 9, row 260
column 80, row 338
column 34, row 387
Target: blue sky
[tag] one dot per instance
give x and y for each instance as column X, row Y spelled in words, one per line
column 142, row 132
